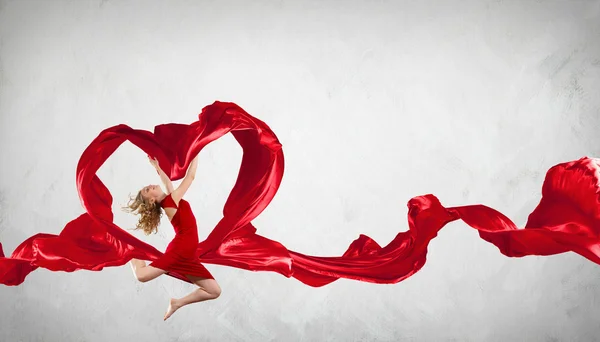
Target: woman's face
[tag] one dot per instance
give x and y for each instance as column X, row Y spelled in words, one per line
column 151, row 192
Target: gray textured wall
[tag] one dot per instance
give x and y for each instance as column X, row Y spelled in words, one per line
column 374, row 102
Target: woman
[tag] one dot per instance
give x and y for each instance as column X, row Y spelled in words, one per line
column 180, row 253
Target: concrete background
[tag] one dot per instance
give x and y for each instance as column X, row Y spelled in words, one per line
column 374, row 102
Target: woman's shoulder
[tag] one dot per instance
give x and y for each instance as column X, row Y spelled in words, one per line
column 169, row 202
column 175, row 199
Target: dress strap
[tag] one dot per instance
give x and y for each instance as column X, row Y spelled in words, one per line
column 168, row 202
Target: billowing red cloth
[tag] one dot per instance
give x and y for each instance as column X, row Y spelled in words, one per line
column 566, row 219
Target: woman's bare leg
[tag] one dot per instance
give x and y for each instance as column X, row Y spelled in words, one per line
column 207, row 289
column 145, row 273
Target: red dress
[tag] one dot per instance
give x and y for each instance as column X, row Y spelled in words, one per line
column 180, row 255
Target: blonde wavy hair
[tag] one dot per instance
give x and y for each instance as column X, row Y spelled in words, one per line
column 150, row 213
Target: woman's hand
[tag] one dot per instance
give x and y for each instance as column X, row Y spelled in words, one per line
column 154, row 162
column 163, row 176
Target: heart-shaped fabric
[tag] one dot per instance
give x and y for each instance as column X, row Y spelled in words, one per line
column 566, row 219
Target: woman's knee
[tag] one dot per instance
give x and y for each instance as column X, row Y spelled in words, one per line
column 142, row 277
column 210, row 286
column 213, row 289
column 216, row 291
column 148, row 273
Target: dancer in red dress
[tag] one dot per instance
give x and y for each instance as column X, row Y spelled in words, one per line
column 180, row 255
column 567, row 217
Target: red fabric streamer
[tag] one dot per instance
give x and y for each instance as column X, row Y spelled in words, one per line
column 566, row 219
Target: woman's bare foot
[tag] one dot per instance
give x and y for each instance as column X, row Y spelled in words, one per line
column 173, row 306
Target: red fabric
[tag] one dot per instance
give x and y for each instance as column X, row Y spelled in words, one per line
column 566, row 219
column 180, row 256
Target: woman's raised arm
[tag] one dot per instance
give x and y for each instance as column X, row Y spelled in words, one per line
column 178, row 193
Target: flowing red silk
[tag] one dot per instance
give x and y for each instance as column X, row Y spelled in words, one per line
column 566, row 219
